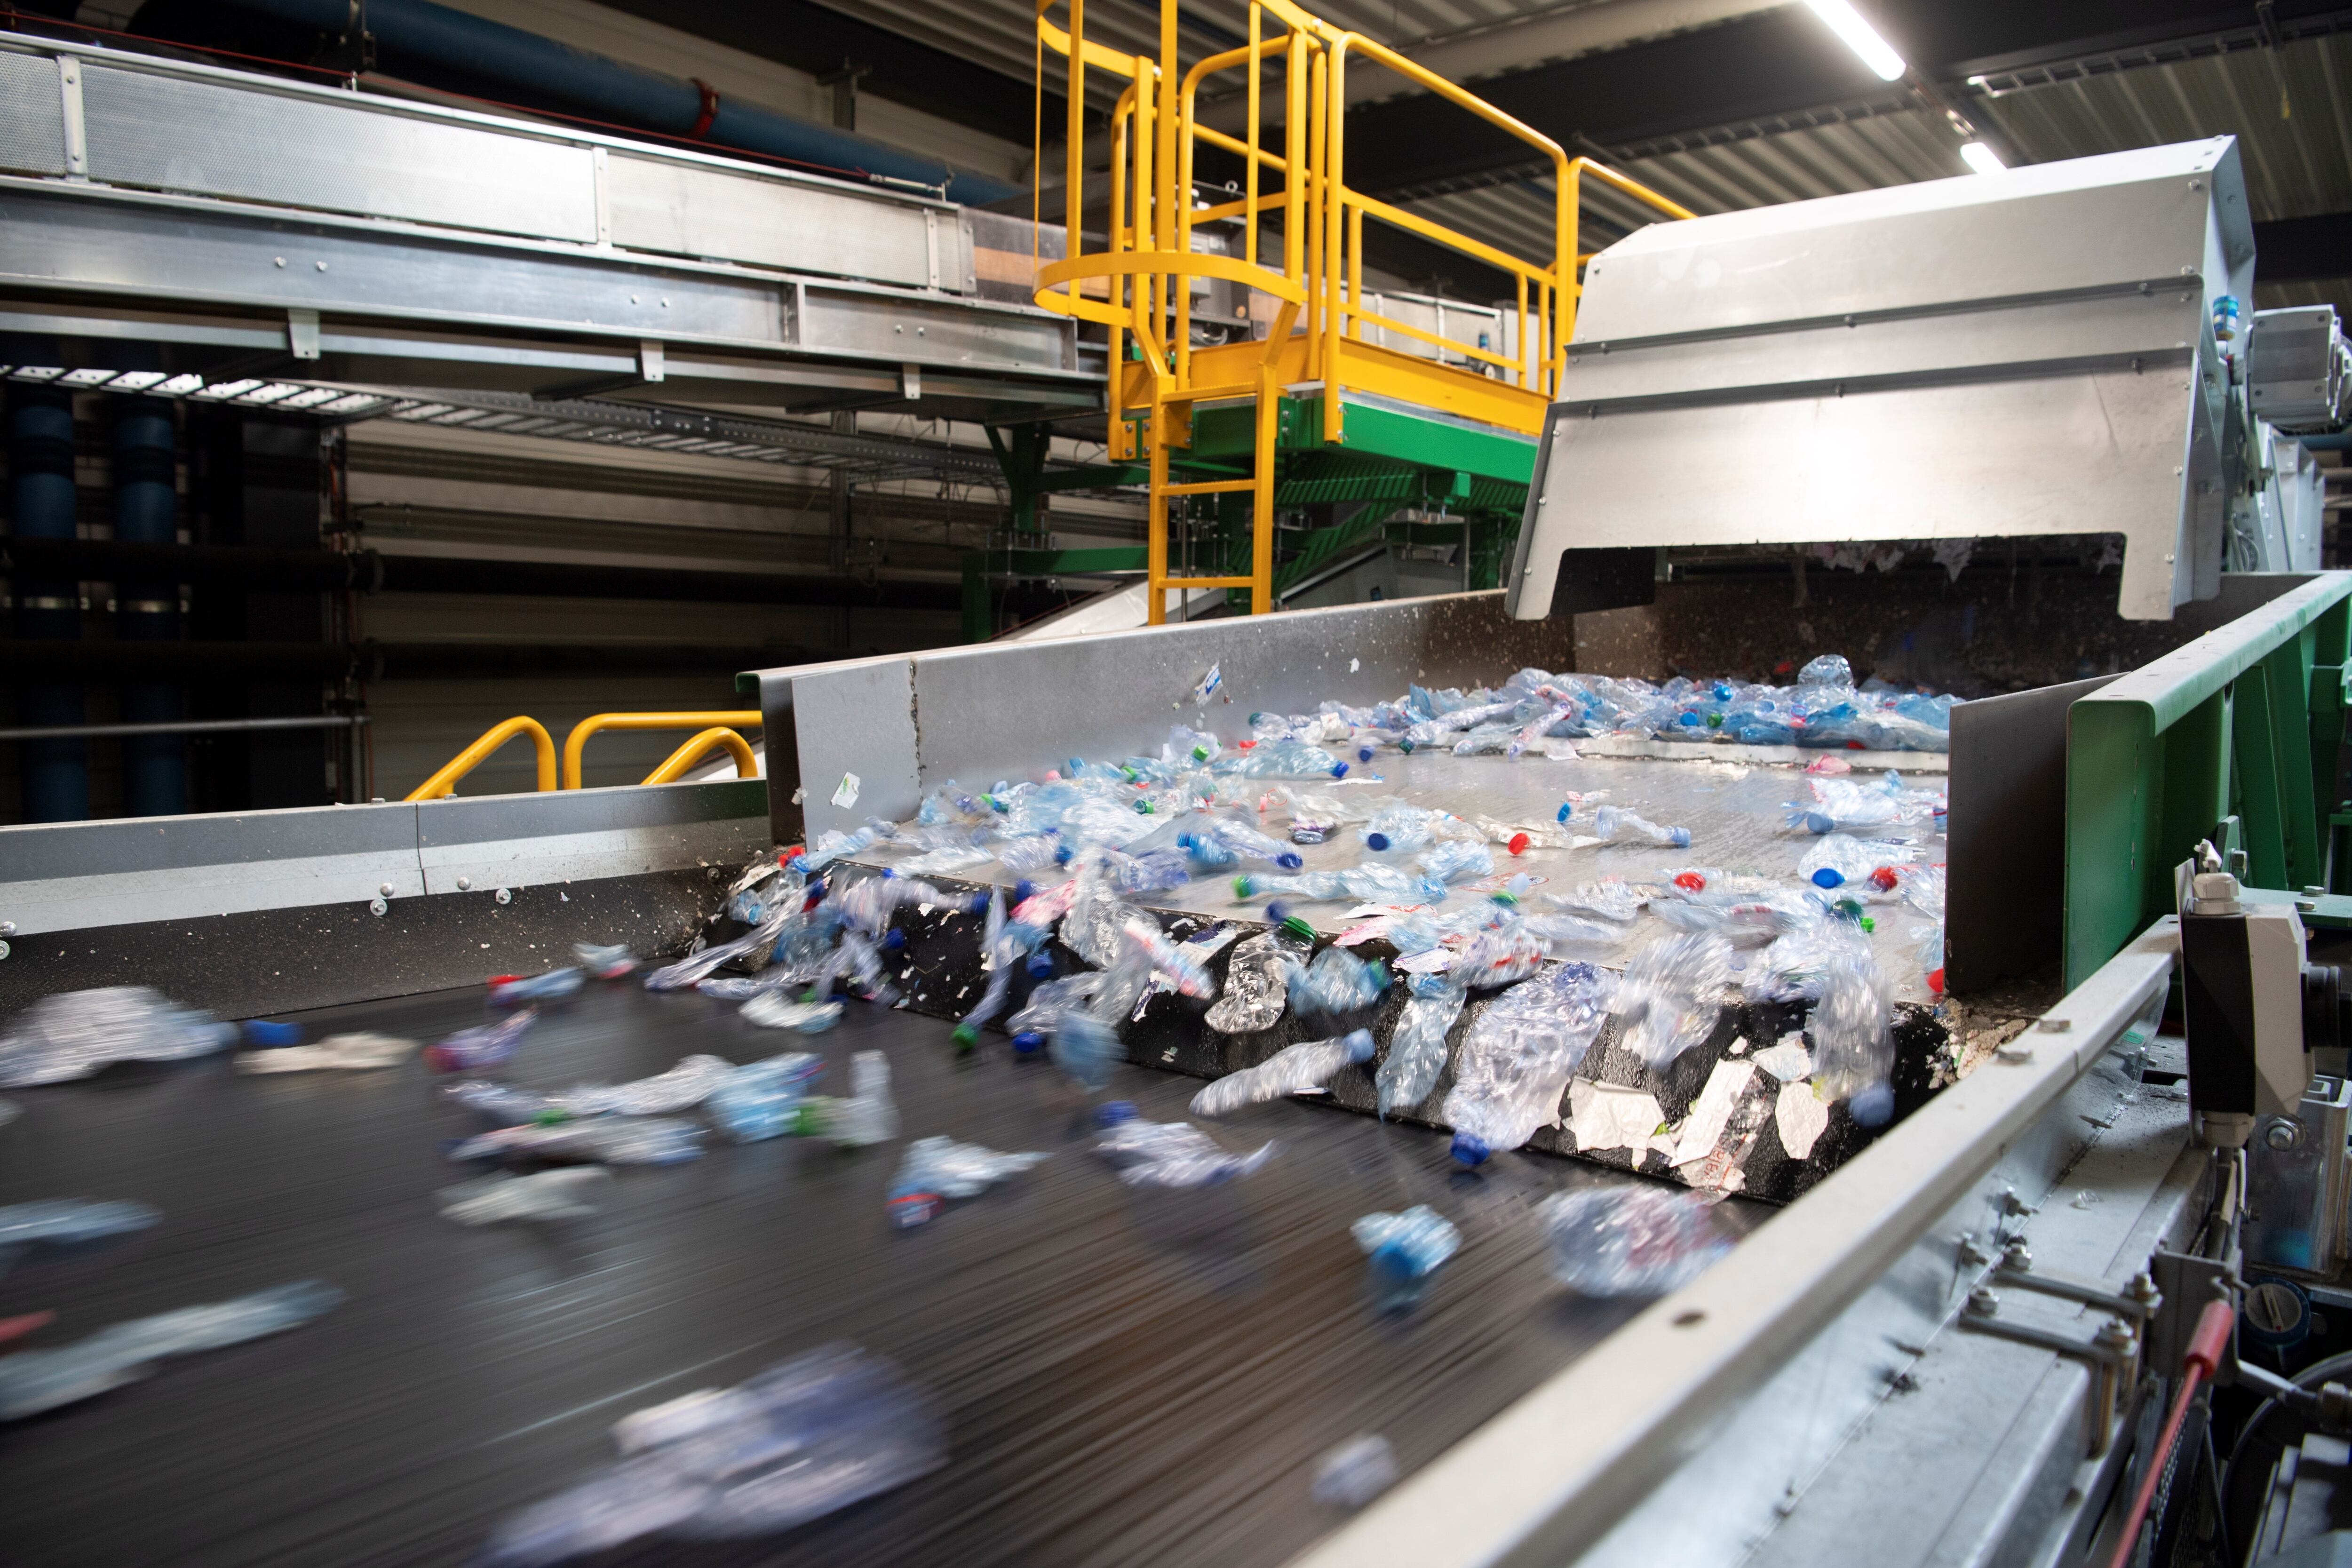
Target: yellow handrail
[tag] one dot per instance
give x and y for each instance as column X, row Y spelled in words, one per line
column 465, row 761
column 576, row 743
column 674, row 767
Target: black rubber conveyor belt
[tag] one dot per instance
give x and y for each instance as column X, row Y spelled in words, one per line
column 1127, row 1378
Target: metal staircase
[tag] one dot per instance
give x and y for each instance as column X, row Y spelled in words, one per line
column 1298, row 387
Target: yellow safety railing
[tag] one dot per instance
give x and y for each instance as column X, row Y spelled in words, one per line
column 1139, row 285
column 675, row 765
column 446, row 781
column 576, row 743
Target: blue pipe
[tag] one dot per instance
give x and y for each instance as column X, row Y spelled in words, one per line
column 41, row 506
column 146, row 512
column 608, row 89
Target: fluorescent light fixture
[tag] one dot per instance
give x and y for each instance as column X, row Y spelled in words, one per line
column 1981, row 158
column 1860, row 36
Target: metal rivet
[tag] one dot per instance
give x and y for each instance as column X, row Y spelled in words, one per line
column 278, row 261
column 504, row 895
column 377, row 907
column 2283, row 1133
column 386, row 889
column 464, row 883
column 321, row 265
column 7, row 928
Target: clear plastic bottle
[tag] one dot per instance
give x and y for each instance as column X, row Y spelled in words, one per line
column 1518, row 1054
column 1337, row 983
column 1630, row 1241
column 1672, row 995
column 1355, row 1472
column 762, row 1099
column 1837, row 858
column 598, row 1140
column 870, row 1115
column 1854, row 1045
column 1309, row 1065
column 801, row 1440
column 1613, row 825
column 1174, row 1154
column 777, row 1010
column 613, row 961
column 1257, row 982
column 74, row 1033
column 693, row 1080
column 540, row 1196
column 33, row 1380
column 1406, row 1248
column 1416, row 1055
column 937, row 1168
column 357, row 1052
column 1456, row 858
column 470, row 1050
column 68, row 1221
column 1401, row 829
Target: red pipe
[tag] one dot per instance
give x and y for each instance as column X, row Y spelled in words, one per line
column 2206, row 1346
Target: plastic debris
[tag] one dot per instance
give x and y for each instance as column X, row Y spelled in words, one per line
column 67, row 1222
column 1406, row 1248
column 762, row 1099
column 1630, row 1241
column 1838, row 859
column 1517, row 1057
column 1672, row 995
column 352, row 1053
column 1853, row 1046
column 1174, row 1154
column 938, row 1169
column 1257, row 982
column 75, row 1033
column 1615, row 827
column 870, row 1115
column 509, row 990
column 596, row 1141
column 1607, row 900
column 804, row 1438
column 1336, row 984
column 1355, row 1472
column 693, row 1080
column 33, row 1380
column 1417, row 1048
column 542, row 1195
column 264, row 1034
column 469, row 1050
column 614, row 962
column 1295, row 1070
column 775, row 1010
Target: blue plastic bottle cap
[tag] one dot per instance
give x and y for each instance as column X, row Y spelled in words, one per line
column 815, row 889
column 1363, row 753
column 1679, row 838
column 1469, row 1150
column 1062, row 855
column 1339, row 770
column 1376, row 842
column 1073, row 765
column 1827, row 878
column 889, row 872
column 1028, row 1041
column 1872, row 1107
column 1688, row 719
column 978, row 904
column 1041, row 966
column 1022, row 891
column 1277, row 913
column 260, row 1032
column 1815, row 821
column 896, row 941
column 1567, row 810
column 1288, row 862
column 1114, row 1112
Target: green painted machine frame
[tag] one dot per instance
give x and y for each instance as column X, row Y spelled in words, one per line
column 2238, row 737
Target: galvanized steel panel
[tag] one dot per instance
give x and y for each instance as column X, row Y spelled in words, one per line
column 32, row 115
column 841, row 320
column 175, row 133
column 685, row 209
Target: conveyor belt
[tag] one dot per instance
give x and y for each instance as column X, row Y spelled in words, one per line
column 1128, row 1378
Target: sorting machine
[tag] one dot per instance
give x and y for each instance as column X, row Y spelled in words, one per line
column 1954, row 1342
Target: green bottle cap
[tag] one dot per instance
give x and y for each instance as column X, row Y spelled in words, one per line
column 1298, row 928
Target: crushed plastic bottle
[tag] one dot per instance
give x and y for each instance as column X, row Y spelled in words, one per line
column 778, row 1010
column 75, row 1033
column 487, row 1045
column 1406, row 1248
column 512, row 990
column 1854, row 1045
column 351, row 1053
column 540, row 1196
column 1630, row 1241
column 33, row 1380
column 1795, row 968
column 68, row 1222
column 938, row 1169
column 1613, row 825
column 1174, row 1154
column 1456, row 858
column 597, row 1140
column 1370, row 880
column 1517, row 1057
column 1282, row 758
column 1336, row 984
column 1257, row 982
column 762, row 1099
column 805, row 1438
column 1295, row 1070
column 1605, row 900
column 1417, row 1048
column 1503, row 956
column 1355, row 1472
column 1838, row 859
column 1672, row 995
column 693, row 1080
column 613, row 961
column 870, row 1115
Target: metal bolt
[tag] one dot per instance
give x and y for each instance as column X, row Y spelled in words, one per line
column 2013, row 1204
column 386, row 889
column 2142, row 1287
column 378, row 906
column 7, row 928
column 2283, row 1133
column 504, row 895
column 2016, row 1259
column 464, row 883
column 2115, row 1335
column 1984, row 1302
column 1972, row 1254
column 3, row 950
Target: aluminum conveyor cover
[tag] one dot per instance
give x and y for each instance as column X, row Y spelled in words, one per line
column 2023, row 354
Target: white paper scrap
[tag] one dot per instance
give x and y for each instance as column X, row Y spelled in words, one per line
column 1703, row 1128
column 1787, row 1061
column 846, row 795
column 1801, row 1115
column 1611, row 1116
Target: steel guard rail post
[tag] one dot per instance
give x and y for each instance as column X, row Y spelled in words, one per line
column 444, row 782
column 2247, row 721
column 575, row 744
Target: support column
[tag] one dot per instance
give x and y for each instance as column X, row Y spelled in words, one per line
column 41, row 506
column 147, row 511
